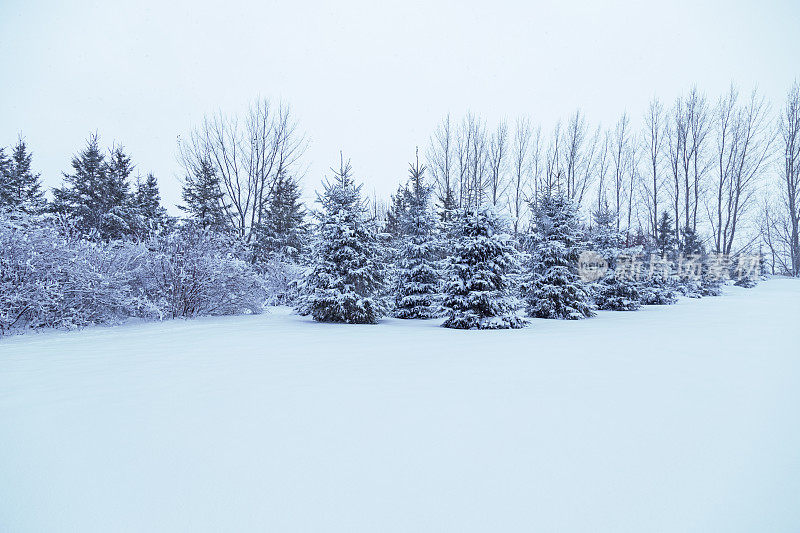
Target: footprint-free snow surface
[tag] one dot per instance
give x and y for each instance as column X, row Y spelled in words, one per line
column 678, row 418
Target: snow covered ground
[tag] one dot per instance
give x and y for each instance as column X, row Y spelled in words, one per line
column 680, row 418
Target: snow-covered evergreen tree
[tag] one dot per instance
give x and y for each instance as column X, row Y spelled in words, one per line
column 553, row 289
column 616, row 294
column 657, row 284
column 149, row 214
column 665, row 236
column 691, row 245
column 611, row 292
column 283, row 229
column 416, row 277
column 346, row 273
column 20, row 188
column 203, row 198
column 119, row 217
column 80, row 198
column 481, row 292
column 397, row 211
column 604, row 238
column 96, row 195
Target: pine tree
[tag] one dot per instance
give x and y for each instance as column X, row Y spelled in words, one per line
column 20, row 188
column 617, row 294
column 346, row 272
column 397, row 210
column 96, row 197
column 118, row 218
column 611, row 293
column 283, row 229
column 146, row 200
column 447, row 206
column 203, row 196
column 83, row 197
column 691, row 245
column 417, row 279
column 481, row 291
column 665, row 236
column 553, row 289
column 604, row 237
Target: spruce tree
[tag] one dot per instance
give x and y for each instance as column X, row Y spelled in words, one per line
column 616, row 294
column 346, row 271
column 553, row 289
column 447, row 205
column 481, row 292
column 691, row 245
column 283, row 229
column 665, row 236
column 204, row 200
column 146, row 200
column 118, row 218
column 611, row 292
column 20, row 188
column 397, row 210
column 95, row 196
column 417, row 278
column 604, row 238
column 82, row 197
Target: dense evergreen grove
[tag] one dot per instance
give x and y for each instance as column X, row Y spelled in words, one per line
column 469, row 238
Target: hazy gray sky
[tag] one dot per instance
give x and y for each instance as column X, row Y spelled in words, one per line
column 370, row 78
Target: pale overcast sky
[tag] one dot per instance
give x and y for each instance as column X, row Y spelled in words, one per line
column 370, row 78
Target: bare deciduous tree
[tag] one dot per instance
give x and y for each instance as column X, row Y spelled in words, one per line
column 552, row 178
column 248, row 156
column 441, row 152
column 603, row 162
column 653, row 140
column 744, row 139
column 790, row 137
column 620, row 156
column 497, row 159
column 521, row 172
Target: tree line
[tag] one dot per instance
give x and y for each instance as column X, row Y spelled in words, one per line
column 486, row 229
column 724, row 171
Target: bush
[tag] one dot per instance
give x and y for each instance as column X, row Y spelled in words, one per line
column 47, row 280
column 193, row 272
column 50, row 280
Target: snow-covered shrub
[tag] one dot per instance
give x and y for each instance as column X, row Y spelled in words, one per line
column 481, row 292
column 48, row 280
column 280, row 273
column 193, row 271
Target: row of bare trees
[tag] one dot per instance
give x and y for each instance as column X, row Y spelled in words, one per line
column 780, row 215
column 706, row 163
column 726, row 169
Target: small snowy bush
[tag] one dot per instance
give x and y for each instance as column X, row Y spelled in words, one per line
column 193, row 271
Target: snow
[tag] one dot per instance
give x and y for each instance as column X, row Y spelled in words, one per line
column 674, row 418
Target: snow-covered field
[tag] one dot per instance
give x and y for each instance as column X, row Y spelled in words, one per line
column 679, row 418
